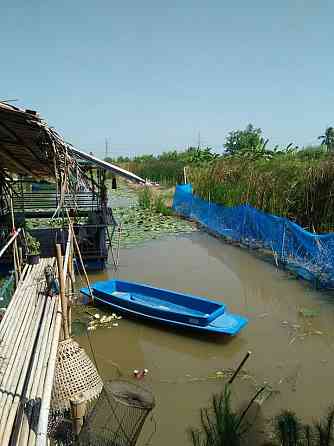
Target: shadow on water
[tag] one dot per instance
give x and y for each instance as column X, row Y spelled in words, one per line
column 164, row 335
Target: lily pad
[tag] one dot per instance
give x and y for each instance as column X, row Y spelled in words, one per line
column 309, row 312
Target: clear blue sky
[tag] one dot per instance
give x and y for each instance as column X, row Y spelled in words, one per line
column 151, row 74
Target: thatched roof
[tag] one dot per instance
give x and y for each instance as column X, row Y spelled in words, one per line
column 28, row 146
column 26, row 143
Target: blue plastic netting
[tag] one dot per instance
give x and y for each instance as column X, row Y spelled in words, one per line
column 309, row 255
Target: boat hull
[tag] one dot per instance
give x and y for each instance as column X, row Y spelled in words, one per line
column 168, row 307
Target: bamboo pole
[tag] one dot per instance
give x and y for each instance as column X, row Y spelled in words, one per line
column 15, row 252
column 78, row 410
column 63, row 297
column 30, row 372
column 19, row 361
column 9, row 314
column 10, row 337
column 118, row 245
column 67, row 253
column 82, row 265
column 36, row 370
column 41, row 358
column 46, row 398
column 20, row 256
column 111, row 249
column 40, row 385
column 15, row 391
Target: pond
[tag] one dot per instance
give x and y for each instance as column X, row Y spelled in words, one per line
column 290, row 334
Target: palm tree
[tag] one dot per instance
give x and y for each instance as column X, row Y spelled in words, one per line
column 328, row 139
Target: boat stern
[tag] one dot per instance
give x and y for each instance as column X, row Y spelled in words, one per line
column 228, row 323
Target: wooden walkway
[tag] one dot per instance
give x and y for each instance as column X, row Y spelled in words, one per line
column 29, row 335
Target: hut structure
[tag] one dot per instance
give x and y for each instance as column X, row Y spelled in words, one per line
column 74, row 186
column 44, row 371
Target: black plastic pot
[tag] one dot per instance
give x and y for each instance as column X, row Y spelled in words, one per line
column 33, row 259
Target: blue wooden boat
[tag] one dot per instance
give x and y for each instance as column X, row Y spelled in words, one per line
column 165, row 306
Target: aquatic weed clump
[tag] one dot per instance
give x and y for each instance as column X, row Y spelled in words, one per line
column 220, row 425
column 153, row 201
column 145, row 198
column 290, row 431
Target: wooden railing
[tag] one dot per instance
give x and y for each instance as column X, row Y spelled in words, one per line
column 48, row 200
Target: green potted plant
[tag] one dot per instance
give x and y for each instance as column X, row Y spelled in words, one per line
column 34, row 247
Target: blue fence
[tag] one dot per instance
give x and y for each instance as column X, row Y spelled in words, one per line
column 309, row 255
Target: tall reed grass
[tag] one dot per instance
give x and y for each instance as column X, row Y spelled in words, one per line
column 301, row 189
column 164, row 172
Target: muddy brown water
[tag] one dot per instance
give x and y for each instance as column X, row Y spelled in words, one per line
column 293, row 353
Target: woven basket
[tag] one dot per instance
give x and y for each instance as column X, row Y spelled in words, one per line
column 75, row 375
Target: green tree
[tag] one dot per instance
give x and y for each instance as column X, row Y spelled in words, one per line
column 328, row 139
column 248, row 140
column 197, row 155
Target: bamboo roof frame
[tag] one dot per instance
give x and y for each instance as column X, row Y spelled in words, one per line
column 29, row 147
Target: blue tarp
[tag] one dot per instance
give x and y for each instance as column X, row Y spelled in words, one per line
column 309, row 255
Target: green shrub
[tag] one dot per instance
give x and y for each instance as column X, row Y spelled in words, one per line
column 33, row 244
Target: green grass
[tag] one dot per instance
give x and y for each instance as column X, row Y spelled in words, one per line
column 295, row 187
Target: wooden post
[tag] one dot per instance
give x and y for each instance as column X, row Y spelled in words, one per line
column 15, row 252
column 118, row 244
column 15, row 265
column 78, row 411
column 70, row 269
column 69, row 318
column 63, row 297
column 20, row 256
column 239, row 368
column 249, row 405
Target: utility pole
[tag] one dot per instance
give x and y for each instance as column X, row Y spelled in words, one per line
column 107, row 148
column 199, row 140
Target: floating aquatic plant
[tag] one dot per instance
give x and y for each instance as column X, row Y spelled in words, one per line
column 139, row 225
